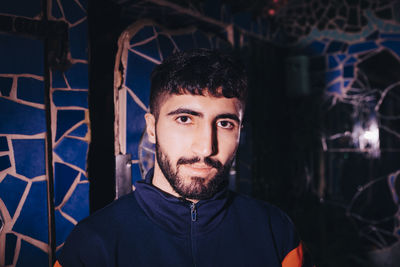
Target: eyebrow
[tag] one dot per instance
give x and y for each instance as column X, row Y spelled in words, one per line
column 228, row 116
column 185, row 111
column 199, row 114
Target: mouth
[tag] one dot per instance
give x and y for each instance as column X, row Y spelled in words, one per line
column 199, row 169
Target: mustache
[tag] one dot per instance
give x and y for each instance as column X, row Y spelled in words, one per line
column 208, row 161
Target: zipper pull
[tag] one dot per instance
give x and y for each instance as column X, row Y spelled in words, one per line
column 193, row 212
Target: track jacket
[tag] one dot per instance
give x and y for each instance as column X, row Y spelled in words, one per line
column 149, row 227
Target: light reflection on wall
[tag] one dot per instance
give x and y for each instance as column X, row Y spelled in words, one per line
column 367, row 138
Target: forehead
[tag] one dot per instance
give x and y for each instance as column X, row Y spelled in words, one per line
column 206, row 104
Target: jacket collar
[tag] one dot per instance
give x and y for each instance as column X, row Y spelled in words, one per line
column 175, row 214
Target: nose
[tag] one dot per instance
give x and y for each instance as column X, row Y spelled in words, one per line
column 205, row 141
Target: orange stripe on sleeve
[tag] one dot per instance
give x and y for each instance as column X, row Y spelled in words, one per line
column 294, row 258
column 57, row 264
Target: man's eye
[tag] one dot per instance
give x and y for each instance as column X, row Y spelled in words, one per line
column 225, row 124
column 184, row 119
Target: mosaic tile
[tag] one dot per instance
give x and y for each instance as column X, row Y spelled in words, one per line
column 31, row 90
column 72, row 11
column 341, row 57
column 83, row 177
column 22, row 8
column 134, row 130
column 1, row 221
column 55, row 10
column 64, row 177
column 351, row 60
column 348, row 72
column 373, row 36
column 81, row 131
column 77, row 76
column 390, row 36
column 138, row 78
column 79, row 41
column 24, row 55
column 149, row 49
column 30, row 255
column 84, row 3
column 5, row 86
column 4, row 162
column 362, row 47
column 184, row 41
column 384, row 13
column 143, row 34
column 11, row 190
column 335, row 46
column 29, row 157
column 332, row 63
column 80, row 198
column 383, row 58
column 11, row 242
column 3, row 143
column 21, row 119
column 166, row 45
column 392, row 45
column 72, row 151
column 364, row 21
column 70, row 98
column 322, row 24
column 63, row 228
column 66, row 119
column 33, row 218
column 316, row 48
column 332, row 75
column 353, row 17
column 335, row 88
column 58, row 80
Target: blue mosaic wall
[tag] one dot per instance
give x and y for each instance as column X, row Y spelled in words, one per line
column 23, row 191
column 339, row 39
column 357, row 53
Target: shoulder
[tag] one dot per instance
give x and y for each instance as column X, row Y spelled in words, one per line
column 260, row 209
column 274, row 222
column 118, row 211
column 91, row 238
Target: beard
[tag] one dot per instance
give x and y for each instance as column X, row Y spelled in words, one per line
column 199, row 188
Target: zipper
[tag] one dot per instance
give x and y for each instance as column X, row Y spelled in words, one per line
column 193, row 215
column 193, row 212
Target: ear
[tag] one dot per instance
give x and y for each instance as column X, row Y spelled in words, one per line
column 150, row 127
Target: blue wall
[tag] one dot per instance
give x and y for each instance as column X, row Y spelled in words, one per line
column 23, row 179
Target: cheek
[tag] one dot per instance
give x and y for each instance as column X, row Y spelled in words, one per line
column 174, row 142
column 228, row 145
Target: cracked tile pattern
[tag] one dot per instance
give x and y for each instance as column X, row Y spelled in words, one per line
column 353, row 48
column 23, row 191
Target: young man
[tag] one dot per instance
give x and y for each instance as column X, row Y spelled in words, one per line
column 183, row 214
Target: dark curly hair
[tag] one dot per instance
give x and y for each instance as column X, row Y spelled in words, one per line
column 197, row 72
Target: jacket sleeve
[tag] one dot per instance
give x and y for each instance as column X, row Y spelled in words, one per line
column 290, row 248
column 83, row 247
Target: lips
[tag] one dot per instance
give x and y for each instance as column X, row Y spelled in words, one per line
column 198, row 169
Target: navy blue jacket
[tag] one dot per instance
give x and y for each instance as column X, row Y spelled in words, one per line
column 149, row 227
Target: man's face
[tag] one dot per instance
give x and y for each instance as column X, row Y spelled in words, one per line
column 196, row 139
